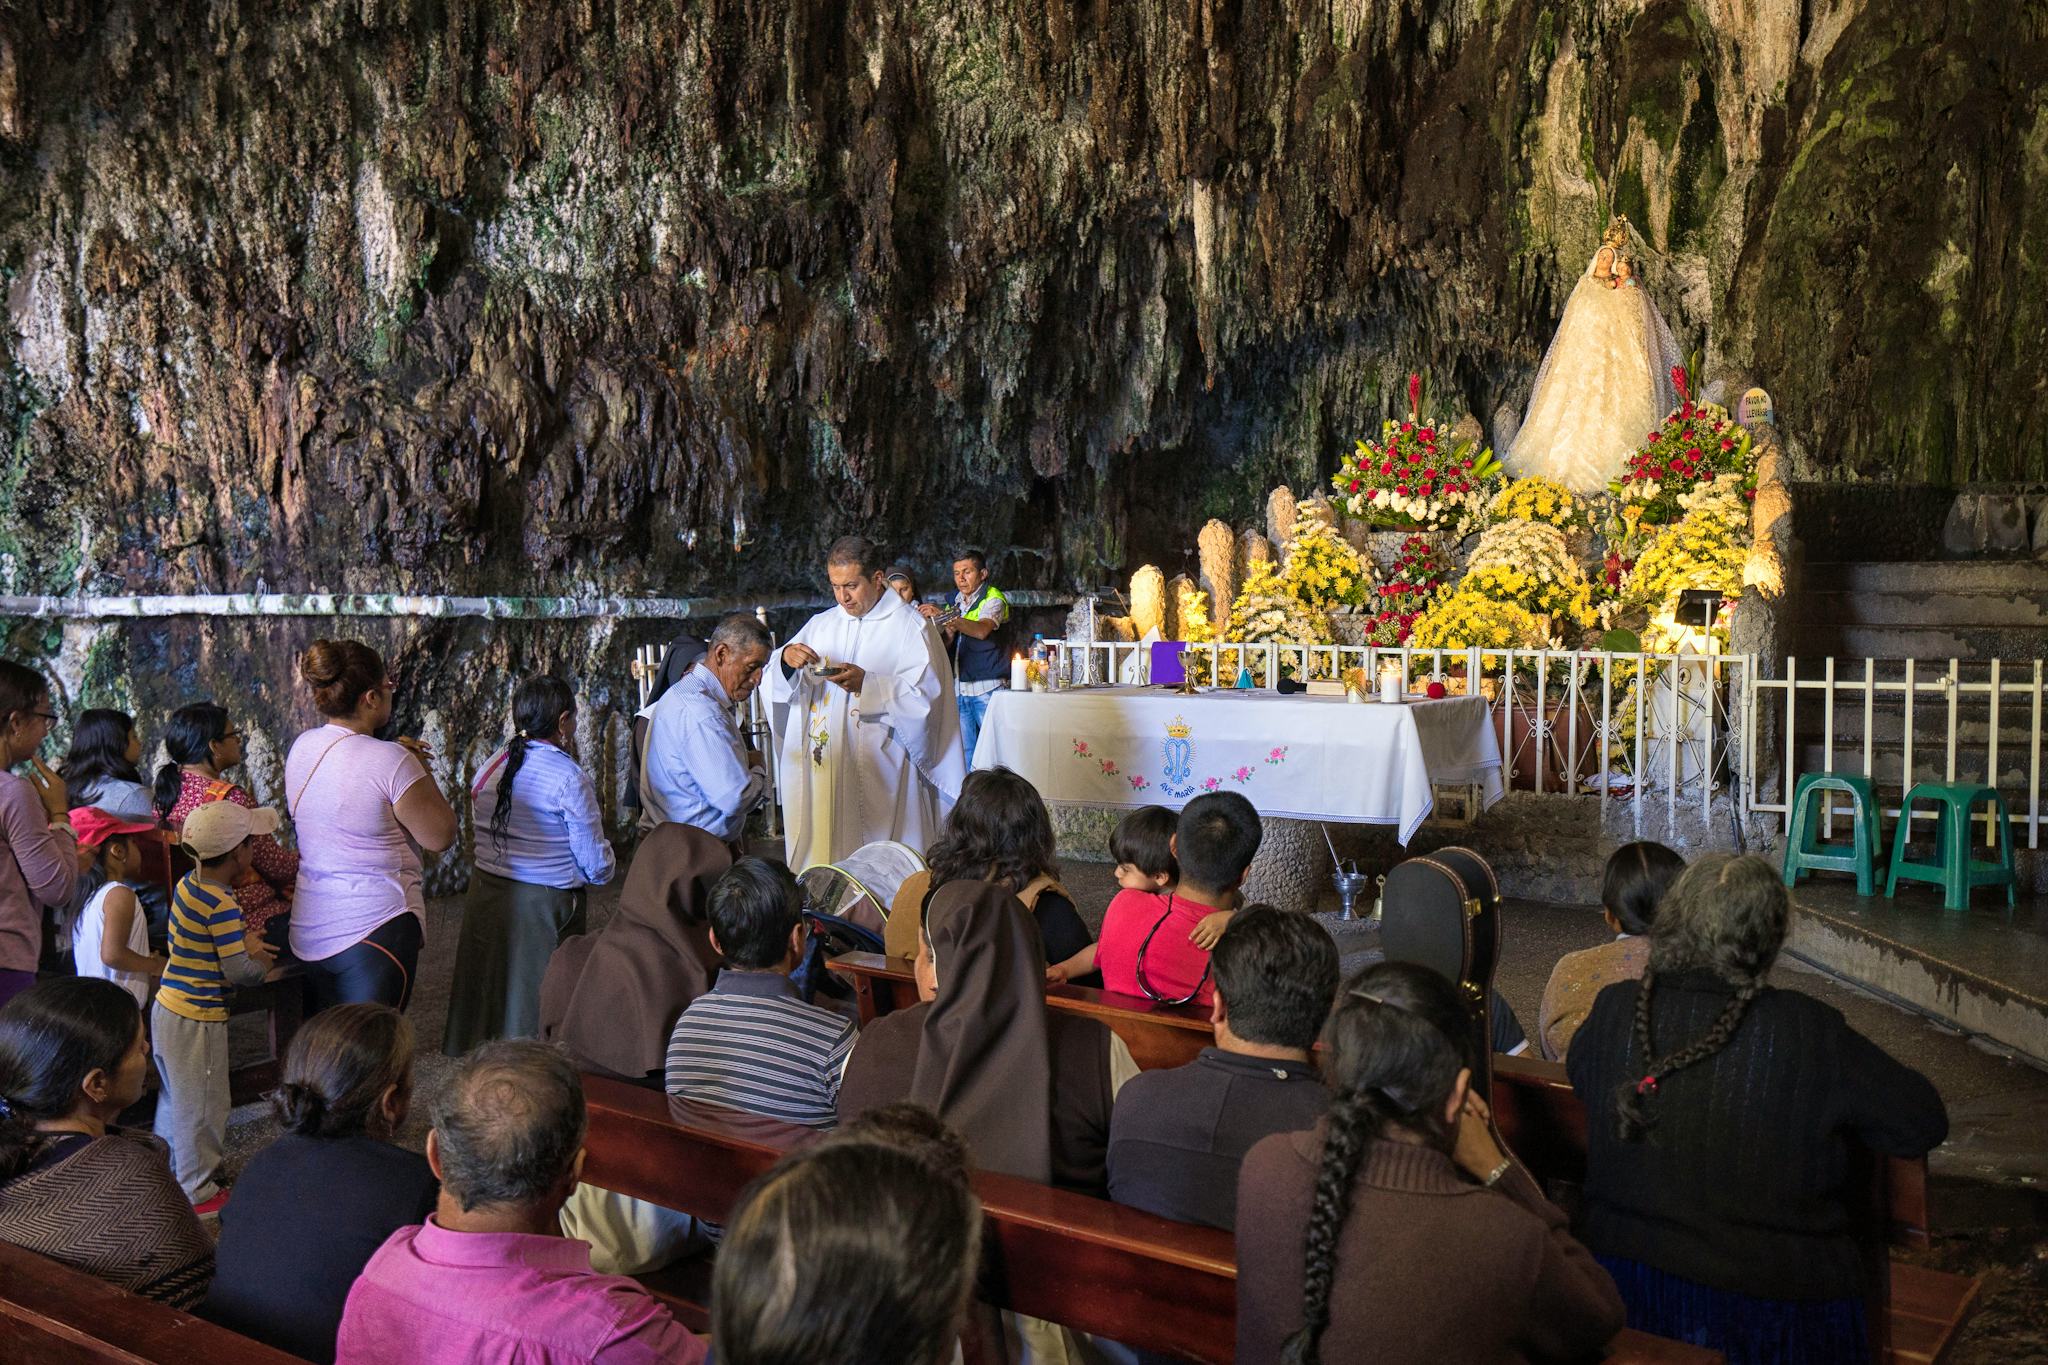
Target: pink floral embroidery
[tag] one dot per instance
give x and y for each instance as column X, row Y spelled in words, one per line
column 1278, row 755
column 1243, row 774
column 1109, row 768
column 1211, row 784
column 1138, row 783
column 1081, row 748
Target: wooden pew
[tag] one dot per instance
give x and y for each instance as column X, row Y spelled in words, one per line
column 282, row 1002
column 1916, row 1312
column 1157, row 1035
column 54, row 1315
column 1094, row 1266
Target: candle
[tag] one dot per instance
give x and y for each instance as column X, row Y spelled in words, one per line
column 1390, row 685
column 1019, row 679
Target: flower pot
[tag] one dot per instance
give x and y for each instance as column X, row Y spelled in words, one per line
column 1552, row 734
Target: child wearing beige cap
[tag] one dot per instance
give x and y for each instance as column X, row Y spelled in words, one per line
column 210, row 951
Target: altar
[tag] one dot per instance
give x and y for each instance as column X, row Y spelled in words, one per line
column 1293, row 757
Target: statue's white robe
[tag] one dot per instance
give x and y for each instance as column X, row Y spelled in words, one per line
column 883, row 763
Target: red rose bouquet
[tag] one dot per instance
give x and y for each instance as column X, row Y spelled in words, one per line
column 1418, row 575
column 1414, row 475
column 1696, row 444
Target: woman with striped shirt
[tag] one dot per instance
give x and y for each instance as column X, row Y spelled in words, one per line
column 539, row 842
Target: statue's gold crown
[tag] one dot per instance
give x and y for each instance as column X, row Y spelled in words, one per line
column 1180, row 729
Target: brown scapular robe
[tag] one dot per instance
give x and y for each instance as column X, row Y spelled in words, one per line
column 1030, row 1090
column 612, row 998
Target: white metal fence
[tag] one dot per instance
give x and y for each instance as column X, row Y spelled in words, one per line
column 1670, row 731
column 1901, row 721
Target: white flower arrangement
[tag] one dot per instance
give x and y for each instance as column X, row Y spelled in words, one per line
column 1456, row 512
column 1528, row 563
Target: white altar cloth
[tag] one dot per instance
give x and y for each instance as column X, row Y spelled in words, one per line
column 1296, row 757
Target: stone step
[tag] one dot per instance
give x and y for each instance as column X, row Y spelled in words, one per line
column 1853, row 643
column 1981, row 970
column 1930, row 764
column 1913, row 607
column 1927, row 576
column 1930, row 721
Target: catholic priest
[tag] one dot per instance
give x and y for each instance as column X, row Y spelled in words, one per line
column 871, row 747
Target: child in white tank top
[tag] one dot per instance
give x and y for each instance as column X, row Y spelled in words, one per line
column 110, row 939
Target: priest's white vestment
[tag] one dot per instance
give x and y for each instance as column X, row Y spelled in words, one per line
column 881, row 763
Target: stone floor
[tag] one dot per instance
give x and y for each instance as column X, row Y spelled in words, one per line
column 1991, row 1177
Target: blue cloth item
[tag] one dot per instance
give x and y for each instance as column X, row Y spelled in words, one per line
column 972, row 711
column 696, row 770
column 555, row 836
column 379, row 970
column 1746, row 1329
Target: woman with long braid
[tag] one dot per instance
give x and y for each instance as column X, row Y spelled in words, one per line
column 1399, row 1229
column 1724, row 1113
column 539, row 843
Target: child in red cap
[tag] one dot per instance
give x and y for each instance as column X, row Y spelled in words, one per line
column 110, row 939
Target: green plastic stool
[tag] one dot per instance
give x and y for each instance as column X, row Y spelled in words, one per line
column 1953, row 869
column 1805, row 853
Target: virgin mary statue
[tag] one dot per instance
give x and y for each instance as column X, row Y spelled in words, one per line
column 1606, row 381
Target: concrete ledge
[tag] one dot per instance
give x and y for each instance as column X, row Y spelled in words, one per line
column 1980, row 971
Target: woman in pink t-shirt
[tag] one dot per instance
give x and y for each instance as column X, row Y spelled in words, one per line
column 363, row 808
column 38, row 851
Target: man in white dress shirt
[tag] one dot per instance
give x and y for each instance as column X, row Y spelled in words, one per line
column 697, row 769
column 871, row 745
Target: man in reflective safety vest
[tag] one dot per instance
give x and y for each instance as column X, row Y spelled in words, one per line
column 978, row 643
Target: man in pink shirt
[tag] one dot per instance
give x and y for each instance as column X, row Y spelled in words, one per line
column 488, row 1279
column 1149, row 944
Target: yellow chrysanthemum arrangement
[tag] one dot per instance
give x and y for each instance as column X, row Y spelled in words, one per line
column 1469, row 617
column 1323, row 571
column 1195, row 626
column 1705, row 548
column 1537, row 499
column 1267, row 609
column 1528, row 563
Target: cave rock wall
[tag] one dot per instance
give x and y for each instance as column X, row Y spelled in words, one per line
column 656, row 296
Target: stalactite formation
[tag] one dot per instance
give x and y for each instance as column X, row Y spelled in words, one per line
column 657, row 296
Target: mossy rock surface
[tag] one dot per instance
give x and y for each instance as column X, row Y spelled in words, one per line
column 659, row 298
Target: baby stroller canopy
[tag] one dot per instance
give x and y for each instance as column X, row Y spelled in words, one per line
column 861, row 886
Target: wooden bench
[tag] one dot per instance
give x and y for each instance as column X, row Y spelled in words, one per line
column 282, row 1002
column 54, row 1315
column 1094, row 1266
column 1157, row 1035
column 1916, row 1312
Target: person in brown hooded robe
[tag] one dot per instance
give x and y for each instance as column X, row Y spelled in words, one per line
column 611, row 998
column 1029, row 1089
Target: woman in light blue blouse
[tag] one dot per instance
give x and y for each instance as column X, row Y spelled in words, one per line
column 539, row 842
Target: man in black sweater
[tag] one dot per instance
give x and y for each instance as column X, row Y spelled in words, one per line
column 1177, row 1137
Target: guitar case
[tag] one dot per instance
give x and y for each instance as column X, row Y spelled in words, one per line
column 1442, row 911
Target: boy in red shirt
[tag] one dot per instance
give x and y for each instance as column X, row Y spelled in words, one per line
column 1155, row 942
